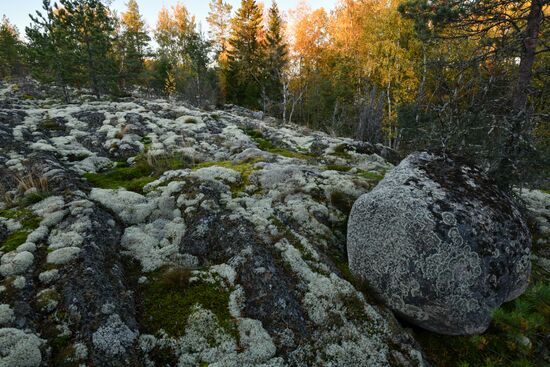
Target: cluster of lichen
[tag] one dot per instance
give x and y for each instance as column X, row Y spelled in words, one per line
column 169, row 297
column 29, row 223
column 268, row 146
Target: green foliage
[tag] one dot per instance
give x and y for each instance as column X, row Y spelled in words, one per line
column 342, row 151
column 170, row 86
column 276, row 54
column 130, row 178
column 494, row 120
column 342, row 201
column 50, row 124
column 132, row 45
column 168, row 300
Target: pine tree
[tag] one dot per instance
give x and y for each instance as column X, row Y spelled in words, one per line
column 10, row 50
column 276, row 56
column 499, row 31
column 72, row 44
column 93, row 27
column 134, row 42
column 246, row 61
column 52, row 51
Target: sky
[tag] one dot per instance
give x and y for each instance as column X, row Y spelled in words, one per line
column 18, row 10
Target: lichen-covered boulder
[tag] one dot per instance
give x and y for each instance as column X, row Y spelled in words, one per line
column 440, row 244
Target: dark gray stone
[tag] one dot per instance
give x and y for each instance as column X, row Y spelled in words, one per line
column 440, row 243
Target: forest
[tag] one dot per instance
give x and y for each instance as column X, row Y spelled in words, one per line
column 463, row 77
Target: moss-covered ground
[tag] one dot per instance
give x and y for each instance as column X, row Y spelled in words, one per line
column 169, row 297
column 134, row 177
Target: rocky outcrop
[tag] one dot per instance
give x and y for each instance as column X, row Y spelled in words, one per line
column 440, row 244
column 149, row 233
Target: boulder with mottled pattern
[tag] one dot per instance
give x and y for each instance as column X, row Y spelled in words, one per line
column 440, row 244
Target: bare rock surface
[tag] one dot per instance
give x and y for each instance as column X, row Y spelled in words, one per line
column 440, row 244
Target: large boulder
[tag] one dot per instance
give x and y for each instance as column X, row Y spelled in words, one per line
column 440, row 244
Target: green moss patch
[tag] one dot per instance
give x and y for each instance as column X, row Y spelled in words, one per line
column 50, row 124
column 130, row 178
column 342, row 151
column 267, row 146
column 168, row 300
column 372, row 176
column 245, row 169
column 133, row 178
column 29, row 223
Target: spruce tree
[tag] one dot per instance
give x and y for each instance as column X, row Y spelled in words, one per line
column 134, row 41
column 276, row 56
column 246, row 60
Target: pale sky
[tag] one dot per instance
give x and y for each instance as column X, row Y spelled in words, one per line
column 18, row 10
